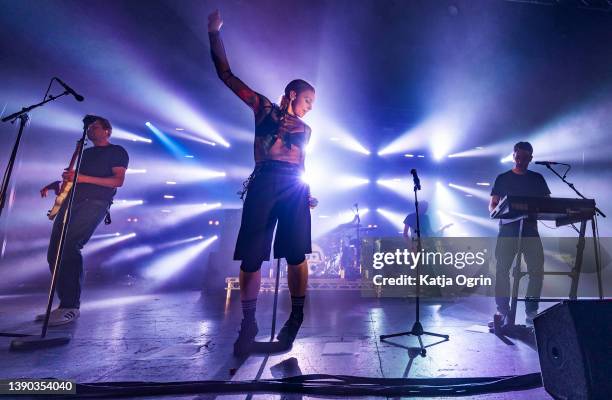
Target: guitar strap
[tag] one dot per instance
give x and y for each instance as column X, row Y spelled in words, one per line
column 107, row 217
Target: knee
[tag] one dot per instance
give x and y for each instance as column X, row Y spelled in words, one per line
column 250, row 266
column 536, row 273
column 296, row 260
column 535, row 266
column 502, row 268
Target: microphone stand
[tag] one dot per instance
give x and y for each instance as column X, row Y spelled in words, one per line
column 22, row 115
column 571, row 185
column 23, row 119
column 417, row 327
column 358, row 248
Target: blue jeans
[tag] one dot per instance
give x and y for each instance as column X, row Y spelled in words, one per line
column 85, row 217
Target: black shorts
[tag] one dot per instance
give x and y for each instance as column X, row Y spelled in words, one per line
column 275, row 193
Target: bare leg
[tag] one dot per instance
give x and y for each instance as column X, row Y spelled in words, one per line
column 249, row 285
column 297, row 278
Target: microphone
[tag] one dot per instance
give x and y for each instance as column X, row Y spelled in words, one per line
column 415, row 178
column 70, row 90
column 549, row 163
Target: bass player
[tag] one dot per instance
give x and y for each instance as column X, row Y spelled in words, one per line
column 103, row 168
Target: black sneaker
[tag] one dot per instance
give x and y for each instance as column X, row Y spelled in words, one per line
column 246, row 337
column 530, row 315
column 290, row 330
column 499, row 320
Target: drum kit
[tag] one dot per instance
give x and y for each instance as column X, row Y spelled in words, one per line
column 337, row 254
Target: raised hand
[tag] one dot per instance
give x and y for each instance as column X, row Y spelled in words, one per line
column 214, row 21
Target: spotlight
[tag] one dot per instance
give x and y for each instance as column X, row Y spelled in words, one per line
column 487, row 223
column 125, row 135
column 172, row 146
column 440, row 145
column 101, row 244
column 122, row 203
column 183, row 212
column 395, row 218
column 509, row 158
column 105, row 235
column 170, row 264
column 479, row 193
column 351, row 181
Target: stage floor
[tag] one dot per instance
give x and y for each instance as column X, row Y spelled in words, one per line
column 127, row 334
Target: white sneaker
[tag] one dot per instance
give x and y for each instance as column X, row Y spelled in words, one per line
column 64, row 316
column 41, row 317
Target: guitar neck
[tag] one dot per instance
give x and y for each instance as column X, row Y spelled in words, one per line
column 73, row 159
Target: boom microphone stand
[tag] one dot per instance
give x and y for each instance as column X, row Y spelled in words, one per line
column 22, row 115
column 417, row 328
column 23, row 119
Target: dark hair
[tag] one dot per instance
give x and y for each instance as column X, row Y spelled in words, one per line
column 296, row 85
column 524, row 146
column 90, row 119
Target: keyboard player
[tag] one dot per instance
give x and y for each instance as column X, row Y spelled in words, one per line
column 519, row 181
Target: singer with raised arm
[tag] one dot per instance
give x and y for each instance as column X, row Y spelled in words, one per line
column 274, row 192
column 519, row 181
column 102, row 171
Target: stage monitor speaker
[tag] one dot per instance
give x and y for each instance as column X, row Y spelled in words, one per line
column 575, row 348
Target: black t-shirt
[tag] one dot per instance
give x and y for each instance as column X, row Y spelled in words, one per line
column 99, row 161
column 529, row 184
column 424, row 222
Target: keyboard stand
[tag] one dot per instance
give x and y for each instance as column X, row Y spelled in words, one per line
column 574, row 274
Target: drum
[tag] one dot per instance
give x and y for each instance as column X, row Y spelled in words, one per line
column 316, row 261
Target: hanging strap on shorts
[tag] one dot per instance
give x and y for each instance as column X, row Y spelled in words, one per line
column 245, row 185
column 107, row 217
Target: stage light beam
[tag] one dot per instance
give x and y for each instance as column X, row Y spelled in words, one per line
column 171, row 264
